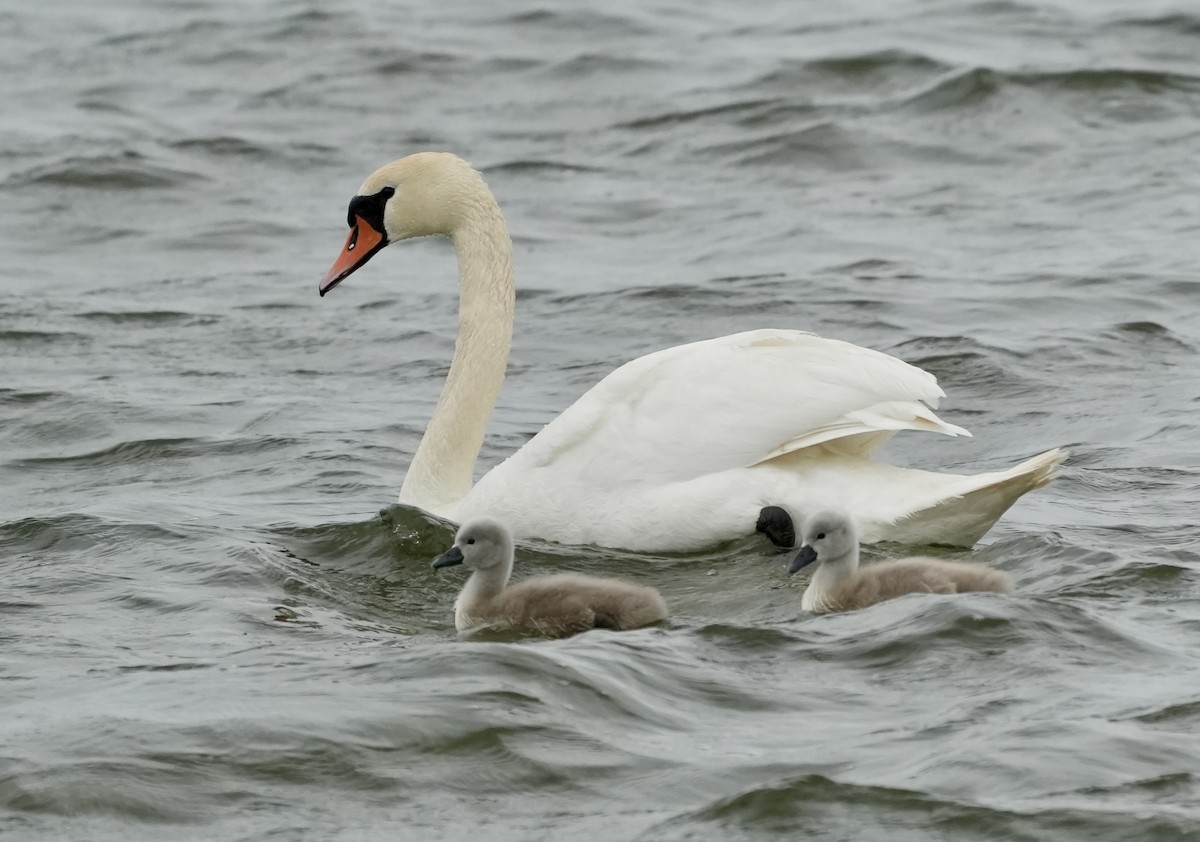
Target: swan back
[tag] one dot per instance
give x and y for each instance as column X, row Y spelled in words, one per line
column 838, row 584
column 639, row 425
column 551, row 605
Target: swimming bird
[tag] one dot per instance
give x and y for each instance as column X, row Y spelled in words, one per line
column 678, row 449
column 551, row 605
column 839, row 585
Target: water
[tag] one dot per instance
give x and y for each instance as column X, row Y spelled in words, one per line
column 209, row 630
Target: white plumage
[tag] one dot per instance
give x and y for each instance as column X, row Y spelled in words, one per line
column 681, row 448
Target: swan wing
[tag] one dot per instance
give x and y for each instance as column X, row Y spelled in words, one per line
column 735, row 401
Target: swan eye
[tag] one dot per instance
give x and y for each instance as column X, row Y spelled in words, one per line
column 470, row 540
column 370, row 208
column 820, row 536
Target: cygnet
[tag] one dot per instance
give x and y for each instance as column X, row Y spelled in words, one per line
column 830, row 541
column 556, row 606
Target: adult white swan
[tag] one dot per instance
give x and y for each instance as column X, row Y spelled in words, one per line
column 678, row 449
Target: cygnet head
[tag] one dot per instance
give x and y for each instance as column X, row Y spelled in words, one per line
column 828, row 537
column 416, row 196
column 480, row 544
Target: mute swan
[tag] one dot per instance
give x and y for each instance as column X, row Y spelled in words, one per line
column 839, row 585
column 551, row 605
column 678, row 449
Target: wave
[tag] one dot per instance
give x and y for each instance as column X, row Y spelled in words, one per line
column 696, row 115
column 888, row 69
column 570, row 21
column 962, row 364
column 970, row 87
column 127, row 171
column 1180, row 23
column 142, row 451
column 21, row 396
column 531, row 165
column 589, row 65
column 222, row 146
column 371, row 544
column 76, row 532
column 39, row 337
column 816, row 801
column 141, row 317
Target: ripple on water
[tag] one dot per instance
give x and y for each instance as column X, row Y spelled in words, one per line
column 814, row 800
column 1181, row 23
column 131, row 453
column 41, row 337
column 963, row 365
column 206, row 631
column 70, row 533
column 127, row 171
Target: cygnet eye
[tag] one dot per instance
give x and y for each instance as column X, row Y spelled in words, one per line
column 820, row 536
column 470, row 540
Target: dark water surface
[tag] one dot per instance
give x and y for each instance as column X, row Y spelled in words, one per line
column 207, row 631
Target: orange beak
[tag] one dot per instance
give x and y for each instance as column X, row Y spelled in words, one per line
column 362, row 244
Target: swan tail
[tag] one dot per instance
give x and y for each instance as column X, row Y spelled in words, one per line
column 962, row 516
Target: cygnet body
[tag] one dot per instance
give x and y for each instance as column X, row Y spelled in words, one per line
column 830, row 542
column 556, row 606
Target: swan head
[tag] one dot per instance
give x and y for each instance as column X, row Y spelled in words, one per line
column 480, row 544
column 416, row 196
column 828, row 537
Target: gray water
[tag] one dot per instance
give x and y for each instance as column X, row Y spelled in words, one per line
column 210, row 630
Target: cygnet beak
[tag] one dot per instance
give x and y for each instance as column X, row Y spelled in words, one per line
column 449, row 558
column 804, row 558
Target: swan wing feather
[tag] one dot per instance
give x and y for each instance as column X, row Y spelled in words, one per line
column 731, row 402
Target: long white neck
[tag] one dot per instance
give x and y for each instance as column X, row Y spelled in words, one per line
column 487, row 582
column 829, row 575
column 837, row 570
column 484, row 585
column 443, row 468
